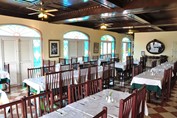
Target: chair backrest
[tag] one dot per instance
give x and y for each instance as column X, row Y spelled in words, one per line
column 96, row 57
column 140, row 101
column 75, row 66
column 67, row 77
column 93, row 72
column 127, row 107
column 112, row 69
column 102, row 114
column 73, row 60
column 154, row 63
column 77, row 92
column 54, row 83
column 65, row 67
column 94, row 62
column 52, row 63
column 46, row 62
column 106, row 75
column 7, row 68
column 83, row 75
column 86, row 59
column 35, row 72
column 16, row 109
column 62, row 61
column 38, row 105
column 135, row 71
column 94, row 86
column 48, row 69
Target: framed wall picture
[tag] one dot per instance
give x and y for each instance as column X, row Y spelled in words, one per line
column 96, row 47
column 54, row 48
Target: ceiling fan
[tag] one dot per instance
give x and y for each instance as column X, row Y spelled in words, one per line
column 42, row 13
column 104, row 26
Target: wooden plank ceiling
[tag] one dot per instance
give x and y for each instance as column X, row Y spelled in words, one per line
column 121, row 15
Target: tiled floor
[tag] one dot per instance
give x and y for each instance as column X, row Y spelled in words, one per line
column 167, row 110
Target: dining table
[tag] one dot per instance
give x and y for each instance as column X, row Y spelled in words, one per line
column 92, row 105
column 4, row 100
column 152, row 78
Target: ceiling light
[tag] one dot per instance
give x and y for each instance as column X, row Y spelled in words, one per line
column 103, row 27
column 130, row 31
column 42, row 15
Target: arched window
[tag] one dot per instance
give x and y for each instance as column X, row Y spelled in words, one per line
column 13, row 30
column 76, row 44
column 107, row 44
column 126, row 48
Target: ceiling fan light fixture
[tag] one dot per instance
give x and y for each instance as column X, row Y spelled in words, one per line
column 103, row 27
column 42, row 15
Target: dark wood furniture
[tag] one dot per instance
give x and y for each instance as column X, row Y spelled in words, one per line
column 102, row 114
column 77, row 92
column 127, row 107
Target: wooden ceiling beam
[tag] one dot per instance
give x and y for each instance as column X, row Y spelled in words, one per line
column 96, row 10
column 137, row 4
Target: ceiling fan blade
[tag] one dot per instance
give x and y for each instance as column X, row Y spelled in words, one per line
column 33, row 13
column 32, row 9
column 51, row 10
column 50, row 14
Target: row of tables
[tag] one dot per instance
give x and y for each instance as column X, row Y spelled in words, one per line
column 93, row 104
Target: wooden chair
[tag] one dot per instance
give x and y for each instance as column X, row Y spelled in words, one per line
column 154, row 63
column 58, row 82
column 45, row 62
column 94, row 86
column 77, row 92
column 95, row 57
column 52, row 63
column 75, row 66
column 13, row 109
column 48, row 69
column 7, row 82
column 73, row 60
column 127, row 107
column 112, row 74
column 62, row 61
column 86, row 59
column 94, row 62
column 140, row 102
column 102, row 114
column 40, row 104
column 34, row 72
column 65, row 67
column 135, row 70
column 106, row 76
column 93, row 72
column 83, row 75
column 53, row 83
column 166, row 89
column 174, row 78
column 66, row 78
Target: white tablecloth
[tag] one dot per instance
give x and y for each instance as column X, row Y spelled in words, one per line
column 93, row 104
column 4, row 74
column 3, row 100
column 162, row 67
column 120, row 65
column 39, row 83
column 149, row 78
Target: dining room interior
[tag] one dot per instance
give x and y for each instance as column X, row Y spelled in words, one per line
column 88, row 59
